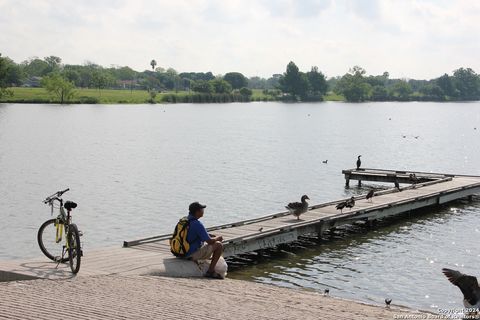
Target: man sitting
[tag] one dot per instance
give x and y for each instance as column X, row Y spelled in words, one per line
column 202, row 244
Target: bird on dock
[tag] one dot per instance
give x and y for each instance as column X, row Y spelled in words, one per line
column 341, row 206
column 297, row 208
column 325, row 161
column 359, row 162
column 326, row 292
column 467, row 284
column 387, row 302
column 397, row 185
column 370, row 195
column 351, row 203
column 261, row 229
column 413, row 178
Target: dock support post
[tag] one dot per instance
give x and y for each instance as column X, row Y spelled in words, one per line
column 470, row 198
column 347, row 182
column 359, row 183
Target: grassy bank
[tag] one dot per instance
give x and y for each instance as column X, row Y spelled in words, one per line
column 107, row 96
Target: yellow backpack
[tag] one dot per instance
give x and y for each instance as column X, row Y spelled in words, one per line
column 179, row 245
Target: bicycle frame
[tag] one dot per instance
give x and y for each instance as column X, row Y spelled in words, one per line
column 61, row 223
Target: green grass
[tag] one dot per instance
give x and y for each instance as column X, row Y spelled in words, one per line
column 331, row 96
column 108, row 96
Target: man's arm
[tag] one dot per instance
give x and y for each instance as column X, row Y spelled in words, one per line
column 204, row 236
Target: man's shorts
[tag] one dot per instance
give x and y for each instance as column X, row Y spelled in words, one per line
column 203, row 253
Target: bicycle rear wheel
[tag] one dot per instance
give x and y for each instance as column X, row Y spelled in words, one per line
column 74, row 248
column 51, row 242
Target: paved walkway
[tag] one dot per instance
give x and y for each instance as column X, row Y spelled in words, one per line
column 151, row 297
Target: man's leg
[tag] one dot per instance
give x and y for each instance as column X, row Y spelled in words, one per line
column 217, row 253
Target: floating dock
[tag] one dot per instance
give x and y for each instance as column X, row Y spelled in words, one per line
column 152, row 254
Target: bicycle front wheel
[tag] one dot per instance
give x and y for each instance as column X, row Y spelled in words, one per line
column 74, row 248
column 50, row 239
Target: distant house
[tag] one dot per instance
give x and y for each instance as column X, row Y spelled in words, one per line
column 32, row 82
column 127, row 84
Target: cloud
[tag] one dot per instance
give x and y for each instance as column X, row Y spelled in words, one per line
column 409, row 38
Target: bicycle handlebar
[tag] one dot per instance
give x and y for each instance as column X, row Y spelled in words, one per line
column 55, row 195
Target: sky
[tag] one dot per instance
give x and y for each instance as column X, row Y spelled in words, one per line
column 408, row 38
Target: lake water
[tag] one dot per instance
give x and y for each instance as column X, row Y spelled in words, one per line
column 133, row 170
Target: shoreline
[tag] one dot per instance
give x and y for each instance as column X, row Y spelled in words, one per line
column 158, row 297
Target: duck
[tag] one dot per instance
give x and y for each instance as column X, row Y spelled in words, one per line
column 297, row 208
column 370, row 195
column 325, row 161
column 359, row 162
column 341, row 206
column 351, row 203
column 467, row 284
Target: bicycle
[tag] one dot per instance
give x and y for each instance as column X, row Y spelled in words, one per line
column 52, row 231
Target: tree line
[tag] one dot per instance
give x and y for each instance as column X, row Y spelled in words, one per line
column 291, row 85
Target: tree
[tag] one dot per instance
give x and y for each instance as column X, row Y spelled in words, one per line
column 221, row 86
column 446, row 84
column 202, row 86
column 432, row 91
column 401, row 90
column 3, row 78
column 35, row 67
column 467, row 84
column 53, row 63
column 153, row 63
column 379, row 93
column 236, row 79
column 59, row 87
column 294, row 82
column 353, row 85
column 246, row 92
column 317, row 82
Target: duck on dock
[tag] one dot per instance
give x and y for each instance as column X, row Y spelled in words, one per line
column 297, row 208
column 370, row 195
column 341, row 206
column 351, row 203
column 467, row 284
column 359, row 162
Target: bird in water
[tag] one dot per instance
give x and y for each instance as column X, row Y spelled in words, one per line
column 387, row 302
column 370, row 195
column 326, row 292
column 341, row 206
column 351, row 203
column 467, row 284
column 297, row 208
column 325, row 161
column 416, row 137
column 359, row 162
column 404, row 136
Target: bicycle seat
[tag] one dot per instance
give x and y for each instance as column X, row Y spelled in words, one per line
column 69, row 205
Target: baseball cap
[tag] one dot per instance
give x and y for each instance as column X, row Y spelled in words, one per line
column 194, row 206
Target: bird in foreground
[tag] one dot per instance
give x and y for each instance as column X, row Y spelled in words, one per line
column 397, row 185
column 326, row 292
column 370, row 195
column 341, row 206
column 325, row 161
column 467, row 284
column 261, row 229
column 359, row 162
column 297, row 208
column 387, row 302
column 351, row 203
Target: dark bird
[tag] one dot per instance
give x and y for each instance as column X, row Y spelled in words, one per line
column 351, row 203
column 297, row 208
column 467, row 284
column 325, row 161
column 341, row 206
column 388, row 301
column 326, row 292
column 261, row 229
column 389, row 118
column 416, row 137
column 359, row 162
column 413, row 178
column 404, row 136
column 397, row 185
column 370, row 195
